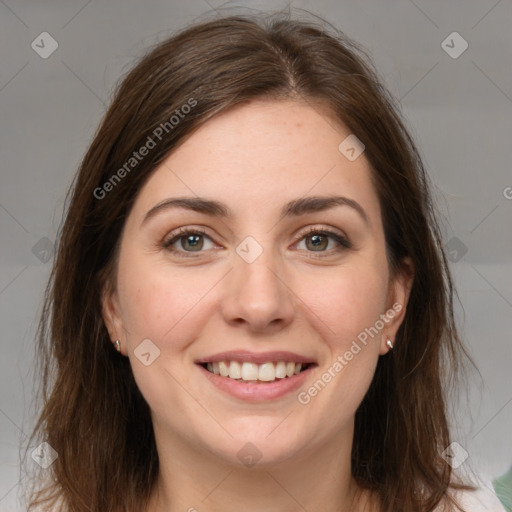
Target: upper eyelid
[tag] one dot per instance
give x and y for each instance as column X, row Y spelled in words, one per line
column 178, row 233
column 321, row 229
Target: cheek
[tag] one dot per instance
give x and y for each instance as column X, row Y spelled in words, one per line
column 159, row 304
column 348, row 303
column 345, row 311
column 345, row 303
column 165, row 307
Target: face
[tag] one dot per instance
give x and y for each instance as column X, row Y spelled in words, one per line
column 254, row 271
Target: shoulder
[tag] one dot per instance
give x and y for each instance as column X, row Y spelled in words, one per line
column 482, row 499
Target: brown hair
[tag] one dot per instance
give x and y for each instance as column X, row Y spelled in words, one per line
column 94, row 415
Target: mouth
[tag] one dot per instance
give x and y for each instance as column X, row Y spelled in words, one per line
column 257, row 377
column 253, row 373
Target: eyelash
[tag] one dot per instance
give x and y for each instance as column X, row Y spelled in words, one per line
column 184, row 232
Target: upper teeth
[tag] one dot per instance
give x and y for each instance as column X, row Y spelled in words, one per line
column 250, row 371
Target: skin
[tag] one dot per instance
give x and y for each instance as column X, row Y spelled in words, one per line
column 255, row 158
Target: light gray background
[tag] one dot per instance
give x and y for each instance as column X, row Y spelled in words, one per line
column 459, row 111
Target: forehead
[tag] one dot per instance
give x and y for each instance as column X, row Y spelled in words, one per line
column 260, row 156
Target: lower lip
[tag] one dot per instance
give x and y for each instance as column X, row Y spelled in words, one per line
column 253, row 392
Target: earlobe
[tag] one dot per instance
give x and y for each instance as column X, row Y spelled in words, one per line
column 110, row 313
column 398, row 297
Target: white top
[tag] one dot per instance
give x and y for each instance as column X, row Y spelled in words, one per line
column 484, row 499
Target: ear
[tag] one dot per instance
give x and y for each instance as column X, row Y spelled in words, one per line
column 111, row 314
column 398, row 296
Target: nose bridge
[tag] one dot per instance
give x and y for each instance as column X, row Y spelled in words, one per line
column 257, row 294
column 258, row 279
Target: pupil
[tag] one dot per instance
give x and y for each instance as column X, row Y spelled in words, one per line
column 318, row 241
column 194, row 242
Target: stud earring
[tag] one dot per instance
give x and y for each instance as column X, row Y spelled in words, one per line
column 117, row 345
column 389, row 344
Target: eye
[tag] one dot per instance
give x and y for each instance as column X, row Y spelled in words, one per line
column 323, row 240
column 188, row 240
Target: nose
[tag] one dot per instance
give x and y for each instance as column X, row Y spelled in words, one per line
column 257, row 296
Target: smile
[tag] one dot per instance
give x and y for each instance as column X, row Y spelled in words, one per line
column 257, row 376
column 255, row 373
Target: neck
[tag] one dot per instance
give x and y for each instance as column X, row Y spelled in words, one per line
column 195, row 481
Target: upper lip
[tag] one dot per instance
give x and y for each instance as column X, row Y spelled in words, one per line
column 254, row 357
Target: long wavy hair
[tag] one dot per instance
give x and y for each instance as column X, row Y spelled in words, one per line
column 92, row 413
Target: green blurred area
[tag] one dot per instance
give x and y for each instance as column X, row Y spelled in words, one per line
column 503, row 488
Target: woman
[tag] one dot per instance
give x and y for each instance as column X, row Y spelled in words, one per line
column 250, row 307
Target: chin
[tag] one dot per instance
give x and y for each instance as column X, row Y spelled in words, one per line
column 259, row 446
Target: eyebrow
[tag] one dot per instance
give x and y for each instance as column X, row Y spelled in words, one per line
column 295, row 208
